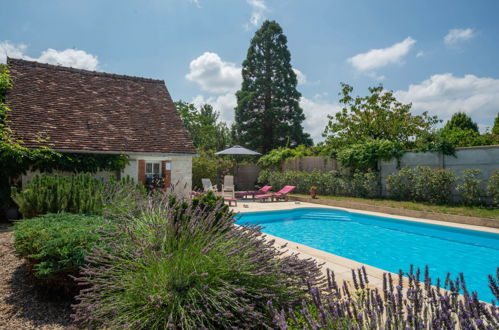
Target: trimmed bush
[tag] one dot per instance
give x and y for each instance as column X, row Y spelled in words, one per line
column 470, row 187
column 433, row 185
column 399, row 184
column 193, row 272
column 421, row 306
column 422, row 184
column 79, row 193
column 55, row 245
column 333, row 183
column 493, row 188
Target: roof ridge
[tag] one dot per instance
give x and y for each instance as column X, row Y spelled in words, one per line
column 19, row 61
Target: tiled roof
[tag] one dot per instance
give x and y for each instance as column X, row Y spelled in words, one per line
column 82, row 110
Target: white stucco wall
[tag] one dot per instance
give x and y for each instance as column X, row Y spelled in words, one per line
column 181, row 170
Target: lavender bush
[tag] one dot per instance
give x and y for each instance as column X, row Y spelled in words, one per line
column 194, row 272
column 416, row 305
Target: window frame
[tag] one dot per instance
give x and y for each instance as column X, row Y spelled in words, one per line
column 152, row 174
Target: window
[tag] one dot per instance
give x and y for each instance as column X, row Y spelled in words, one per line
column 153, row 170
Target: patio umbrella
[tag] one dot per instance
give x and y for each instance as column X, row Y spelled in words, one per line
column 237, row 150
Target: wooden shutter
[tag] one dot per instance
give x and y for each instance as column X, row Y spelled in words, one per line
column 142, row 171
column 166, row 174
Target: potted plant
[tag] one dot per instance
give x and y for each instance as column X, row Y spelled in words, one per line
column 313, row 191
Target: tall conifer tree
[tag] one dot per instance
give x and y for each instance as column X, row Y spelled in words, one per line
column 268, row 114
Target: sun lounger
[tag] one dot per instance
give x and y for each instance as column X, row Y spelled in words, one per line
column 261, row 191
column 281, row 194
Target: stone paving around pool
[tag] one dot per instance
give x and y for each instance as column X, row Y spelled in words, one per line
column 342, row 267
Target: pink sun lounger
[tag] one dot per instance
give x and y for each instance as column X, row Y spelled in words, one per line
column 261, row 191
column 281, row 194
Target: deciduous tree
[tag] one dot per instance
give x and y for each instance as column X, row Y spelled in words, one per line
column 378, row 116
column 207, row 131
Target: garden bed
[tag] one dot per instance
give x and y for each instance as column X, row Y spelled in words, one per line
column 458, row 214
column 21, row 305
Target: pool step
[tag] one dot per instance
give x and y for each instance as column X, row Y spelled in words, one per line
column 325, row 216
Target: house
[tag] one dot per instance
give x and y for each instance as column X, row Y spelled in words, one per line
column 82, row 111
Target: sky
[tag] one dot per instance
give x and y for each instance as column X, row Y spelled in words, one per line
column 441, row 56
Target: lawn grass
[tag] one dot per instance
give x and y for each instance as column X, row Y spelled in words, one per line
column 472, row 211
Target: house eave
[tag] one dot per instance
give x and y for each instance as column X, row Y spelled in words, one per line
column 112, row 152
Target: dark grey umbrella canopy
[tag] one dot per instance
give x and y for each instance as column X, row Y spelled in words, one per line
column 237, row 150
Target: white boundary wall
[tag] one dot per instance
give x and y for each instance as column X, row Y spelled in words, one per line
column 484, row 158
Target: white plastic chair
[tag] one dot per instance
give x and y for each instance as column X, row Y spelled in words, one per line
column 207, row 186
column 228, row 185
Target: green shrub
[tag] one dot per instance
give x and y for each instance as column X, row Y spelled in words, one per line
column 399, row 184
column 211, row 204
column 433, row 185
column 470, row 187
column 194, row 272
column 332, row 183
column 422, row 184
column 55, row 245
column 79, row 193
column 208, row 166
column 493, row 188
column 365, row 184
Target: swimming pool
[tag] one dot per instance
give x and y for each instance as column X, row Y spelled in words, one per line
column 387, row 243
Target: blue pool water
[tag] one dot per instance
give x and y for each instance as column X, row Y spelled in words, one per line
column 387, row 243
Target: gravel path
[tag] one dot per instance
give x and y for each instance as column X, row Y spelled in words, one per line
column 21, row 305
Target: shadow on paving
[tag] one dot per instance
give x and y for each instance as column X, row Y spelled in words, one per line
column 41, row 308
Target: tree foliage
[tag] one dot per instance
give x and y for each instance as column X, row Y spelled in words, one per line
column 462, row 121
column 268, row 114
column 495, row 129
column 275, row 157
column 207, row 131
column 364, row 156
column 378, row 116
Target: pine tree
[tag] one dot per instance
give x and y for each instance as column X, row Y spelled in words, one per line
column 268, row 114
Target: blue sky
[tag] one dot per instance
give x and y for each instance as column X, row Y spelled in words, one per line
column 440, row 55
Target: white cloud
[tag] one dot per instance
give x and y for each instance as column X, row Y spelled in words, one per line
column 69, row 57
column 258, row 9
column 420, row 54
column 445, row 94
column 224, row 104
column 302, row 79
column 196, row 2
column 11, row 50
column 316, row 112
column 456, row 35
column 377, row 58
column 213, row 74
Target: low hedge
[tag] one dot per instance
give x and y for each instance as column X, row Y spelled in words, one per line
column 333, row 183
column 55, row 245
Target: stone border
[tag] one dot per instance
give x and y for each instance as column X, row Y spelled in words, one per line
column 463, row 219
